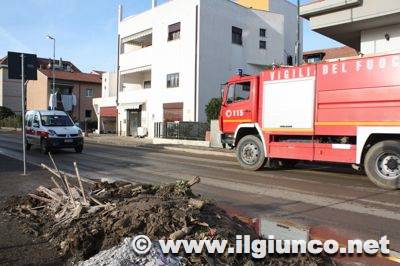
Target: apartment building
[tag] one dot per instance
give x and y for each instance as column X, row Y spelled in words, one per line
column 368, row 26
column 76, row 89
column 106, row 106
column 10, row 89
column 174, row 57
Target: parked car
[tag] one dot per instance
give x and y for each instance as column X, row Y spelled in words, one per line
column 52, row 130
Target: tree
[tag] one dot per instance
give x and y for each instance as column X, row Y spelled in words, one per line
column 212, row 109
column 5, row 112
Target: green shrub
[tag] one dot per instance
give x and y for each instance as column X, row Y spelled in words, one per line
column 11, row 121
column 5, row 112
column 212, row 109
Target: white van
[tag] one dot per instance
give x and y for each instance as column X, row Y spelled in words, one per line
column 52, row 130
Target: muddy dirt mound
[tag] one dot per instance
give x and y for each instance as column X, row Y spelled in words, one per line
column 80, row 225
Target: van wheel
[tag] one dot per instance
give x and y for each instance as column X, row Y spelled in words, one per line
column 382, row 164
column 250, row 153
column 44, row 147
column 79, row 149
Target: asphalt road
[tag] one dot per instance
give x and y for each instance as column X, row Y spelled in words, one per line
column 311, row 195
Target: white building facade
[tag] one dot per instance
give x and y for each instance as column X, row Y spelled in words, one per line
column 174, row 58
column 105, row 107
column 369, row 26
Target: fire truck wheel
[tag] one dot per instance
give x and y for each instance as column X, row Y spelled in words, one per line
column 288, row 164
column 250, row 153
column 382, row 164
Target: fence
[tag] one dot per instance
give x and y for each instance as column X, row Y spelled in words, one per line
column 181, row 130
column 12, row 121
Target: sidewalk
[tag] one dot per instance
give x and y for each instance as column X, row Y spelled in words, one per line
column 148, row 143
column 16, row 247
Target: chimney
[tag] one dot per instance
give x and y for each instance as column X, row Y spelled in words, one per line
column 154, row 3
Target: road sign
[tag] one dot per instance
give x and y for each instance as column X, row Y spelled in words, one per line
column 15, row 68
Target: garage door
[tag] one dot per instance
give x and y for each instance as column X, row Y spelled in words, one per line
column 173, row 112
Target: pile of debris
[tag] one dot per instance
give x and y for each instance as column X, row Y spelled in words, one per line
column 80, row 222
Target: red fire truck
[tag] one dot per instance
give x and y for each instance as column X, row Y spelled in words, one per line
column 344, row 111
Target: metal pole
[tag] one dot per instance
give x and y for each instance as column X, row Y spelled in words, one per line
column 54, row 62
column 23, row 112
column 298, row 54
column 120, row 15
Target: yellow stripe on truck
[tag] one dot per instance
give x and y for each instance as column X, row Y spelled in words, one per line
column 237, row 120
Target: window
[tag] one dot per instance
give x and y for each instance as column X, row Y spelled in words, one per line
column 89, row 93
column 263, row 32
column 314, row 59
column 88, row 113
column 36, row 120
column 237, row 36
column 173, row 80
column 29, row 119
column 147, row 84
column 238, row 92
column 56, row 121
column 290, row 60
column 263, row 45
column 174, row 31
column 173, row 112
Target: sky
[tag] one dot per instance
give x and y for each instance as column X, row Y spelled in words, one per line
column 85, row 30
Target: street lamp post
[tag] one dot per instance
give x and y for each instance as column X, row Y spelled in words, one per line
column 298, row 43
column 54, row 62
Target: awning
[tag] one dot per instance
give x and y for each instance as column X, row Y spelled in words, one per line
column 136, row 36
column 136, row 70
column 108, row 111
column 127, row 106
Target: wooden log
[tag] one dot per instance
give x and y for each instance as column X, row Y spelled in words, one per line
column 49, row 193
column 96, row 201
column 80, row 183
column 198, row 204
column 57, row 170
column 40, row 198
column 69, row 190
column 59, row 187
column 194, row 181
column 180, row 233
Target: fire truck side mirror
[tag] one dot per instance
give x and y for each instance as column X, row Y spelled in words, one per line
column 222, row 92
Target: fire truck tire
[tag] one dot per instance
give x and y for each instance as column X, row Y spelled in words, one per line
column 288, row 164
column 250, row 153
column 382, row 164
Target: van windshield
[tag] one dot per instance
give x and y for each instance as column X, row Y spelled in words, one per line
column 56, row 121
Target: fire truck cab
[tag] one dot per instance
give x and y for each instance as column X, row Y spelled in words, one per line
column 343, row 111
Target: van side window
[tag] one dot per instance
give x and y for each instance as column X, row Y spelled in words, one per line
column 238, row 92
column 29, row 120
column 36, row 119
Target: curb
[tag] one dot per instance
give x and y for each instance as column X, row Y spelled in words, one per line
column 10, row 129
column 199, row 151
column 166, row 147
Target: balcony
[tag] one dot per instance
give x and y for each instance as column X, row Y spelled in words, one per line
column 137, row 41
column 136, row 59
column 136, row 80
